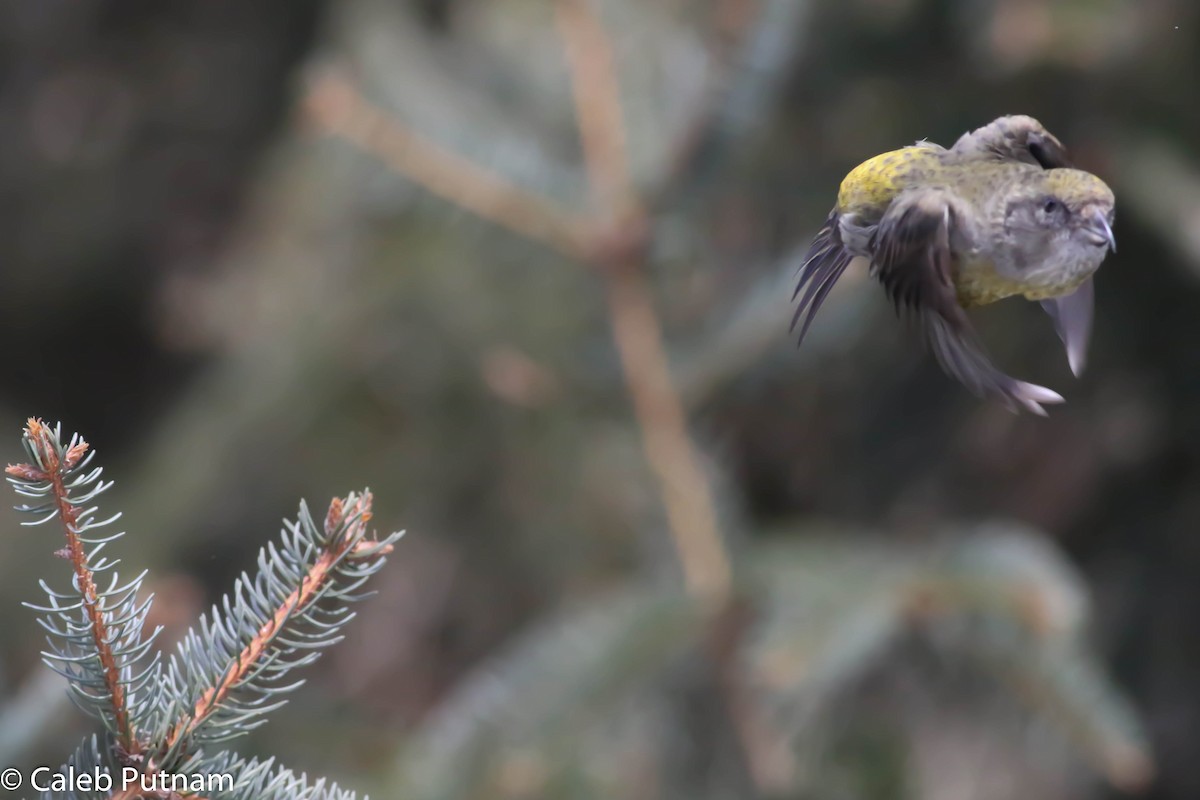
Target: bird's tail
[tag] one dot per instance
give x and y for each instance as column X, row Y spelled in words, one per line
column 824, row 263
column 962, row 357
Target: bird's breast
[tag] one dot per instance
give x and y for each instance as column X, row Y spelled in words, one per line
column 978, row 283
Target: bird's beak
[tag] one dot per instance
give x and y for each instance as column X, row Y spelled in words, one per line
column 1100, row 231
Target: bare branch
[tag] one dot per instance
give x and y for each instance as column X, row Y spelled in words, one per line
column 337, row 108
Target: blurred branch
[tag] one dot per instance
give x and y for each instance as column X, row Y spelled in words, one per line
column 735, row 109
column 636, row 328
column 999, row 597
column 669, row 450
column 614, row 242
column 1066, row 682
column 597, row 105
column 447, row 89
column 337, row 108
column 553, row 680
column 832, row 610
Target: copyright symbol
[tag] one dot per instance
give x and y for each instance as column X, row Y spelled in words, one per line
column 10, row 779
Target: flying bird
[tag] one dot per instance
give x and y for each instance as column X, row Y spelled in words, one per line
column 1000, row 213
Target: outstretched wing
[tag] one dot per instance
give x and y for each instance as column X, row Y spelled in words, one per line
column 913, row 260
column 1014, row 138
column 1072, row 315
column 824, row 263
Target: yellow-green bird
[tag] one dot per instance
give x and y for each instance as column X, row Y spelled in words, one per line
column 1000, row 213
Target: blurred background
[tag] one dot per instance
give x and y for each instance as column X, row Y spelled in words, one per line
column 487, row 258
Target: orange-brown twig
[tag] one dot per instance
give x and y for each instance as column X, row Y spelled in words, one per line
column 68, row 515
column 597, row 106
column 338, row 108
column 247, row 661
column 344, row 541
column 691, row 512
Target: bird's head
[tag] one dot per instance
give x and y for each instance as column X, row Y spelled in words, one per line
column 1057, row 227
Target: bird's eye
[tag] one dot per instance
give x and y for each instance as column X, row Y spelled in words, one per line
column 1051, row 206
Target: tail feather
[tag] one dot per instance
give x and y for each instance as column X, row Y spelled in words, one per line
column 824, row 263
column 963, row 358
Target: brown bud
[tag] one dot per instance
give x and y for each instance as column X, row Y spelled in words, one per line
column 333, row 518
column 26, row 472
column 76, row 453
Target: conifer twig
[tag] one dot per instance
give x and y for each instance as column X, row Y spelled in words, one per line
column 248, row 660
column 227, row 673
column 52, row 469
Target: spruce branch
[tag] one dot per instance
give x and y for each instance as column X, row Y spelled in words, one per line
column 231, row 670
column 95, row 755
column 226, row 674
column 95, row 635
column 265, row 779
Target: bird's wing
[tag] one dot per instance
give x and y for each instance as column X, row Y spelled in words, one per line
column 1072, row 315
column 824, row 263
column 1014, row 138
column 911, row 253
column 913, row 260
